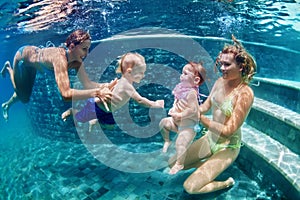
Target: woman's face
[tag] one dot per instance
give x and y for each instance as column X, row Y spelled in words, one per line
column 229, row 68
column 81, row 50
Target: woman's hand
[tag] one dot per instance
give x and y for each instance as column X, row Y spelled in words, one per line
column 182, row 105
column 176, row 116
column 112, row 84
column 104, row 94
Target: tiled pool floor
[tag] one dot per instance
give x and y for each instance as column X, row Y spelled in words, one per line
column 37, row 168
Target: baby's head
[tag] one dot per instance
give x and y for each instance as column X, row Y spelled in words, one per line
column 132, row 66
column 198, row 70
column 130, row 60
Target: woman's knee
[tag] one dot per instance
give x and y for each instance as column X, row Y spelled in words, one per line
column 196, row 181
column 189, row 187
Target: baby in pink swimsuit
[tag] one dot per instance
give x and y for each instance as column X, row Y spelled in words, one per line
column 182, row 120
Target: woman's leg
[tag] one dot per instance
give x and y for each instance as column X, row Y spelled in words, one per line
column 4, row 69
column 24, row 77
column 11, row 74
column 14, row 98
column 5, row 106
column 202, row 180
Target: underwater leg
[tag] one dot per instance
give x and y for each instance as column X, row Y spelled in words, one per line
column 4, row 69
column 5, row 106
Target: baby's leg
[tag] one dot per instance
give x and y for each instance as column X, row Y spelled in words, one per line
column 195, row 154
column 92, row 123
column 66, row 114
column 166, row 125
column 184, row 139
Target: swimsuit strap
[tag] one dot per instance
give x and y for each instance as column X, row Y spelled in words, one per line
column 48, row 44
column 199, row 97
column 235, row 90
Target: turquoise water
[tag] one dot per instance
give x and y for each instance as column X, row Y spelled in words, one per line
column 61, row 167
column 34, row 167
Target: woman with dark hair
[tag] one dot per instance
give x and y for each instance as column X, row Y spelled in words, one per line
column 29, row 59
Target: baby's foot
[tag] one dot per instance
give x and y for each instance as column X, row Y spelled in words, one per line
column 176, row 168
column 66, row 114
column 4, row 69
column 92, row 124
column 166, row 146
column 230, row 182
column 5, row 111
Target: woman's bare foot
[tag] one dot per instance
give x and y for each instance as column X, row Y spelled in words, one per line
column 5, row 111
column 66, row 114
column 166, row 146
column 176, row 168
column 230, row 182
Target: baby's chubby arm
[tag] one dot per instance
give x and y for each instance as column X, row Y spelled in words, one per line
column 146, row 102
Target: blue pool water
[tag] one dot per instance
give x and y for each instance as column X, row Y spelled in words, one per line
column 62, row 167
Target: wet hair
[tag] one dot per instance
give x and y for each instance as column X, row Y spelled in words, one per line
column 199, row 70
column 128, row 61
column 243, row 59
column 77, row 37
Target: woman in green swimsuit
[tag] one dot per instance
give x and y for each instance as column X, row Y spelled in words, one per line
column 230, row 101
column 29, row 59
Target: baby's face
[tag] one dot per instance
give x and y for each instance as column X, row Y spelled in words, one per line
column 138, row 73
column 187, row 74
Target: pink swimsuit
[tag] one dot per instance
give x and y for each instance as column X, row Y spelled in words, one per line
column 181, row 91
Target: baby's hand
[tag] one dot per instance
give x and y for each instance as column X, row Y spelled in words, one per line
column 176, row 116
column 160, row 103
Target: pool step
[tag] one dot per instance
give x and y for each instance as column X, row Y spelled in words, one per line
column 278, row 91
column 276, row 121
column 269, row 161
